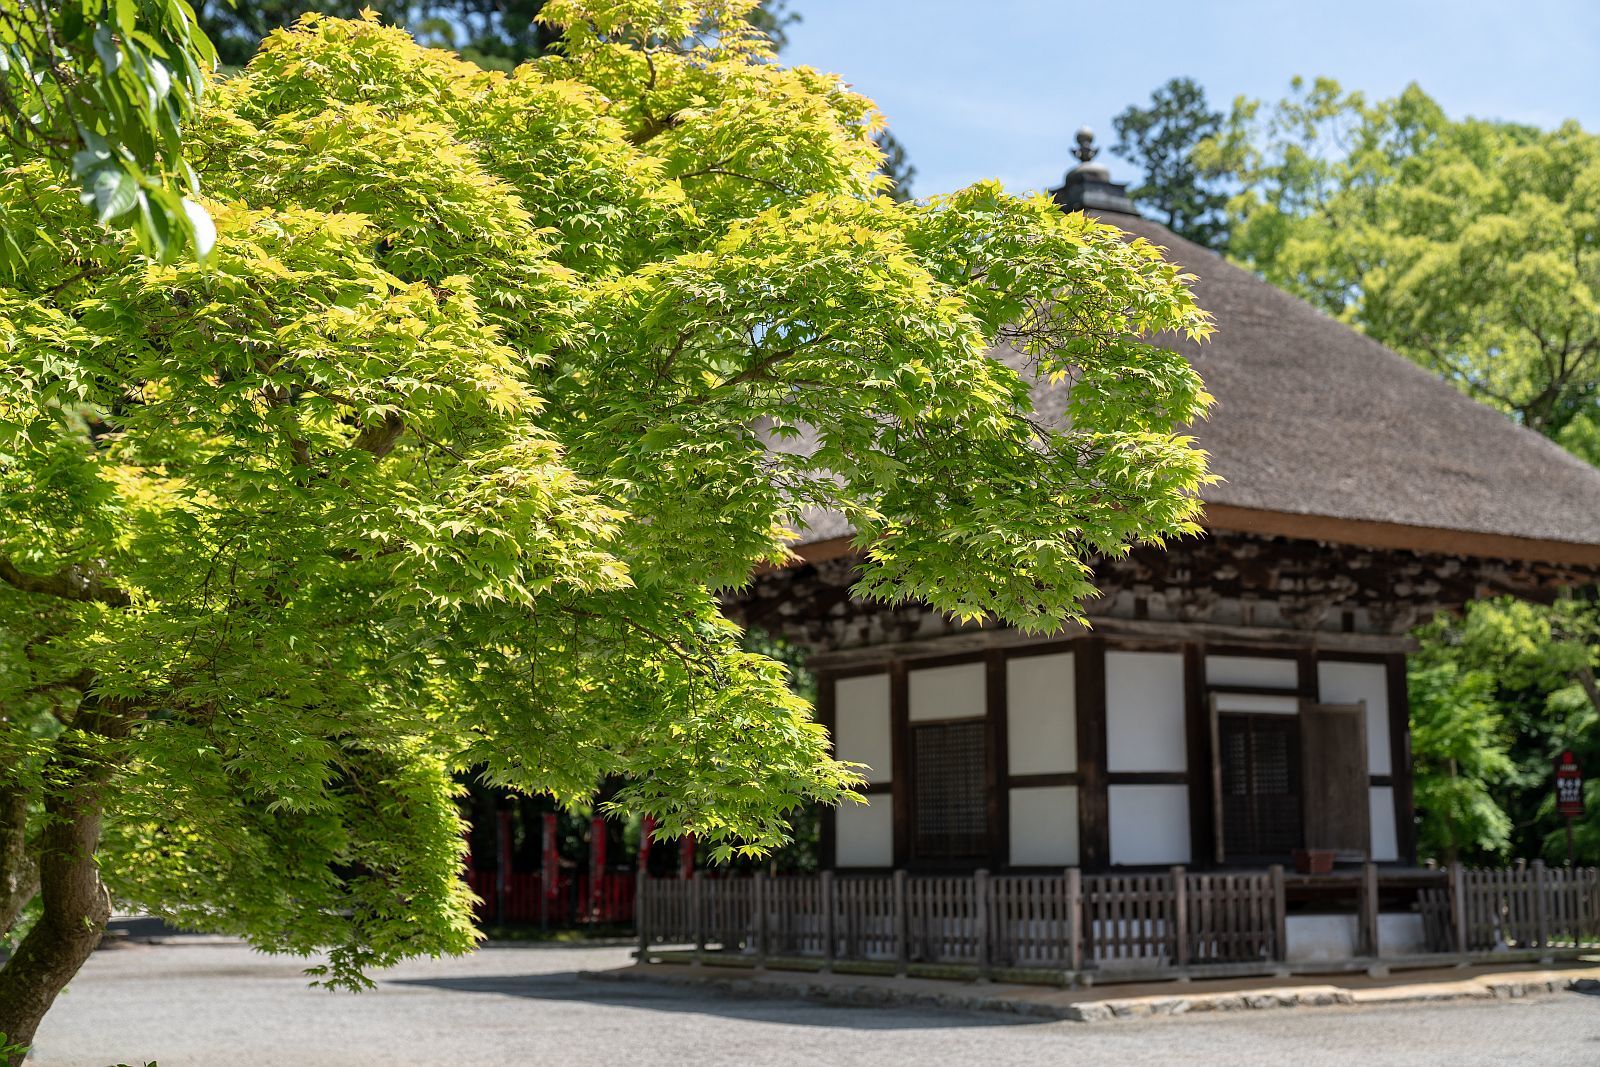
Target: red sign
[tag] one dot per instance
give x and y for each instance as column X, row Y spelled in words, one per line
column 1569, row 786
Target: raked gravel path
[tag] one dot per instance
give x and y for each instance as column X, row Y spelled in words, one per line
column 221, row 1005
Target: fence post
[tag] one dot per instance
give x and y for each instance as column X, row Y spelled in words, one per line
column 829, row 946
column 902, row 925
column 1180, row 916
column 641, row 920
column 1541, row 908
column 758, row 907
column 1369, row 909
column 980, row 920
column 1280, row 914
column 1074, row 920
column 697, row 897
column 1458, row 907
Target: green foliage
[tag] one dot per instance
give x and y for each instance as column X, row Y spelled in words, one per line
column 442, row 459
column 1459, row 757
column 1501, row 691
column 1472, row 247
column 1161, row 139
column 99, row 89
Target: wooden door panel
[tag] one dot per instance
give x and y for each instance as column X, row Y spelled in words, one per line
column 1334, row 777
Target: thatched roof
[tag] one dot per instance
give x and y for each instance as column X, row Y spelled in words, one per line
column 1321, row 432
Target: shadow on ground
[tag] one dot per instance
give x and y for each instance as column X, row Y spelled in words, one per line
column 649, row 996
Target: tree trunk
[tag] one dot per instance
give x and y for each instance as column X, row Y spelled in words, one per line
column 76, row 905
column 19, row 871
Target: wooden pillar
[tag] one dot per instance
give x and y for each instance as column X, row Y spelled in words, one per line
column 900, row 760
column 902, row 925
column 1458, row 907
column 996, row 768
column 1094, row 833
column 1074, row 890
column 1369, row 910
column 982, row 933
column 697, row 901
column 1280, row 914
column 1197, row 752
column 829, row 938
column 758, row 910
column 1541, row 907
column 641, row 911
column 1180, row 916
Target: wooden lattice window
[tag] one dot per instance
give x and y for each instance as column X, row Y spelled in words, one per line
column 950, row 810
column 1259, row 758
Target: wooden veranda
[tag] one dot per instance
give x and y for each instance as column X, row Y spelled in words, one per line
column 1079, row 928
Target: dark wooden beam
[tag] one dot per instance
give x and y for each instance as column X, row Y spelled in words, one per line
column 900, row 760
column 1039, row 781
column 1150, row 777
column 1094, row 830
column 1197, row 751
column 996, row 770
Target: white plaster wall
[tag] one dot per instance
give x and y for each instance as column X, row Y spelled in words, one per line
column 1252, row 670
column 1318, row 938
column 955, row 692
column 864, row 833
column 861, row 725
column 1385, row 844
column 1401, row 934
column 1144, row 712
column 1352, row 683
column 1042, row 725
column 1258, row 703
column 1313, row 938
column 1044, row 826
column 1149, row 823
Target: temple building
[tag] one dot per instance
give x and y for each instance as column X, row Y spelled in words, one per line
column 1238, row 696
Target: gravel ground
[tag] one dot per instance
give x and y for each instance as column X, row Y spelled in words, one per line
column 220, row 1005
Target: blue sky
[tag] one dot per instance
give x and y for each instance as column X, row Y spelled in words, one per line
column 996, row 88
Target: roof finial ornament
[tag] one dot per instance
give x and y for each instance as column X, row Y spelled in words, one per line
column 1088, row 186
column 1086, row 149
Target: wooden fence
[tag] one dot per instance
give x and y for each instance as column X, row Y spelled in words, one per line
column 1173, row 921
column 1531, row 906
column 1067, row 921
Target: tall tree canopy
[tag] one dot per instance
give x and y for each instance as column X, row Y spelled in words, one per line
column 1470, row 246
column 443, row 457
column 1160, row 140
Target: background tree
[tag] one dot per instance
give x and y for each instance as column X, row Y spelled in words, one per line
column 442, row 459
column 896, row 166
column 497, row 34
column 1472, row 247
column 1160, row 140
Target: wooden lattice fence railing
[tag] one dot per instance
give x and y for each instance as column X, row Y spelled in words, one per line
column 1067, row 921
column 1171, row 921
column 1530, row 906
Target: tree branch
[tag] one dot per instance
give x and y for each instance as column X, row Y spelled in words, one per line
column 69, row 583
